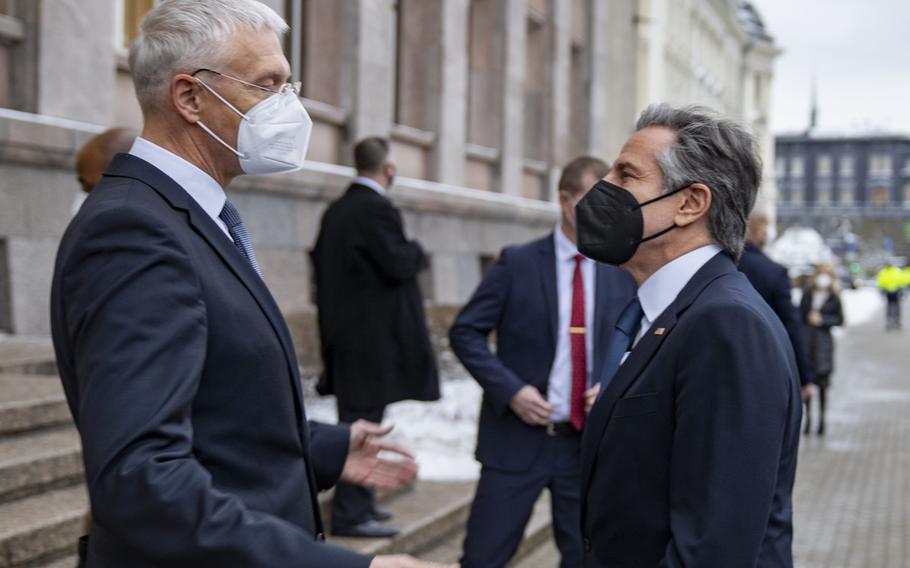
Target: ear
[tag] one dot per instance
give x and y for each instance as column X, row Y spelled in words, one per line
column 186, row 93
column 696, row 204
column 565, row 200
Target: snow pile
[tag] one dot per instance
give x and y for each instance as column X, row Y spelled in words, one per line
column 799, row 248
column 442, row 434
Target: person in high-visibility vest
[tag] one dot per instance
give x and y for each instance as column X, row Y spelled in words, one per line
column 890, row 281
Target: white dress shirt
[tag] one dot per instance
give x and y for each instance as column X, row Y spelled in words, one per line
column 661, row 289
column 201, row 186
column 559, row 389
column 370, row 183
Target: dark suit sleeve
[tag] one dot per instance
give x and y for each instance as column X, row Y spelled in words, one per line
column 329, row 446
column 469, row 336
column 782, row 304
column 732, row 399
column 387, row 247
column 135, row 314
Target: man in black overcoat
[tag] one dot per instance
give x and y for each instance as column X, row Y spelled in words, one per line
column 375, row 344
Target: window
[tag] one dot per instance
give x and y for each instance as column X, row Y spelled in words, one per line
column 823, row 195
column 907, row 193
column 846, row 166
column 823, row 166
column 416, row 63
column 846, row 194
column 322, row 48
column 797, row 167
column 780, row 167
column 484, row 67
column 880, row 164
column 537, row 58
column 131, row 13
column 879, row 196
column 580, row 78
column 8, row 7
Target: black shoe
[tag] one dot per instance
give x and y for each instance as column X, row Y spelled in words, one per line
column 821, row 429
column 368, row 529
column 382, row 515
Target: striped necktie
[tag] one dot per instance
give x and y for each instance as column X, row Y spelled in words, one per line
column 238, row 232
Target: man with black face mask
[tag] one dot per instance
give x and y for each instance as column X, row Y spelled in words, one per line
column 551, row 309
column 689, row 452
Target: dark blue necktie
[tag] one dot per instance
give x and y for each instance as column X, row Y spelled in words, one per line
column 238, row 232
column 623, row 336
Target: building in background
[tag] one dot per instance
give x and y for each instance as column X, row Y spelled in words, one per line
column 483, row 101
column 833, row 182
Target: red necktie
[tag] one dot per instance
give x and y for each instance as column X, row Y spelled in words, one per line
column 579, row 349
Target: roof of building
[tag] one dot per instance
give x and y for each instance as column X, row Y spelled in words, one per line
column 752, row 21
column 795, row 138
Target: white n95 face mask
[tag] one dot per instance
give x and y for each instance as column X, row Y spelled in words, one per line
column 273, row 135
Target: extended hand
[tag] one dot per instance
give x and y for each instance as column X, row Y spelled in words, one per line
column 364, row 466
column 530, row 406
column 403, row 561
column 591, row 397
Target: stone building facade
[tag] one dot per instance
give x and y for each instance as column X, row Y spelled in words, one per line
column 483, row 101
column 825, row 181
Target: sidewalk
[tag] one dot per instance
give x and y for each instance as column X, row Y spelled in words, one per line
column 851, row 501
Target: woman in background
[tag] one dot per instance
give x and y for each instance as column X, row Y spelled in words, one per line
column 821, row 310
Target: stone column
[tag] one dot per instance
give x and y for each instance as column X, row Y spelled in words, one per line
column 368, row 70
column 514, row 26
column 447, row 158
column 76, row 63
column 598, row 101
column 560, row 90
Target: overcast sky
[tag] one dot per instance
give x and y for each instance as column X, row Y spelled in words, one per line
column 859, row 53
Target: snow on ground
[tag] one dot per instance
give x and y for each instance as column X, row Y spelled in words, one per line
column 443, row 433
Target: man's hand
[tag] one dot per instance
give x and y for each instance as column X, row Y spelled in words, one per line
column 364, row 466
column 806, row 391
column 530, row 406
column 404, row 561
column 591, row 397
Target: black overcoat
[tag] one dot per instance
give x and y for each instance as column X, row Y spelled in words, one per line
column 375, row 343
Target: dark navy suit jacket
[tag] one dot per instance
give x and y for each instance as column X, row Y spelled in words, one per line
column 689, row 455
column 518, row 300
column 772, row 283
column 181, row 376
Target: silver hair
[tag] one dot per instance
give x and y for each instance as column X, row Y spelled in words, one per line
column 717, row 152
column 181, row 36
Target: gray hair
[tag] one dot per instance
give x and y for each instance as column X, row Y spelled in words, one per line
column 714, row 151
column 181, row 36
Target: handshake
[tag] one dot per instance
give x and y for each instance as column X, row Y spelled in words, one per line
column 365, row 466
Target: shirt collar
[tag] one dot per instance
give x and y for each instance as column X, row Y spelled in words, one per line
column 201, row 186
column 370, row 183
column 565, row 249
column 658, row 292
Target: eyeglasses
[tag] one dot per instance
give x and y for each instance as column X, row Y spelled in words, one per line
column 294, row 87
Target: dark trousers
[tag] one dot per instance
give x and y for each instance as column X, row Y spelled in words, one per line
column 504, row 502
column 893, row 312
column 353, row 504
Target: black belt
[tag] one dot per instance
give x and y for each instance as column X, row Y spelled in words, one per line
column 562, row 430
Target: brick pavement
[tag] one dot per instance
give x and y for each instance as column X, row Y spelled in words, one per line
column 851, row 501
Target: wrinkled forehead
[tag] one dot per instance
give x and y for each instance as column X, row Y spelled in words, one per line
column 254, row 53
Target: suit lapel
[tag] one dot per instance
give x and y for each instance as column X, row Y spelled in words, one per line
column 135, row 168
column 547, row 265
column 639, row 358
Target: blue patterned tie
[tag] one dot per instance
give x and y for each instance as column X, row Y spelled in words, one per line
column 626, row 330
column 238, row 232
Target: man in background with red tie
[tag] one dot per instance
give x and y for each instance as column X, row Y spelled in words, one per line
column 553, row 311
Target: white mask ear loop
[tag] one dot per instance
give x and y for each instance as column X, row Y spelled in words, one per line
column 209, row 130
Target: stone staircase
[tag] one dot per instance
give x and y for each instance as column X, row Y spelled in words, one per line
column 43, row 497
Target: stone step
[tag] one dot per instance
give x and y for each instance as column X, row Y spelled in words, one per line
column 31, row 356
column 546, row 556
column 29, row 403
column 538, row 534
column 68, row 561
column 41, row 527
column 427, row 514
column 35, row 461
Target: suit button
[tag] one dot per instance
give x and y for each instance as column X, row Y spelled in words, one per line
column 587, row 543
